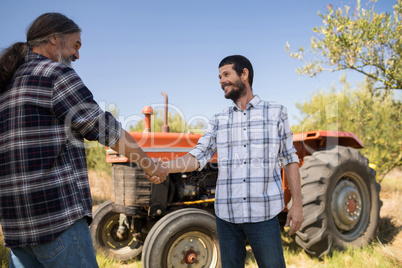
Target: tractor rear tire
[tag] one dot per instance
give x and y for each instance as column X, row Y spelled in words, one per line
column 341, row 203
column 184, row 238
column 104, row 230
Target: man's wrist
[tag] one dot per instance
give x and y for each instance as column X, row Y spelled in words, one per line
column 297, row 203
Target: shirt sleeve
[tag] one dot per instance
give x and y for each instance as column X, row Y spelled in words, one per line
column 74, row 105
column 206, row 147
column 287, row 152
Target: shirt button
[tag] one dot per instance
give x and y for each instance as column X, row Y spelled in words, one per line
column 244, row 180
column 245, row 162
column 245, row 114
column 245, row 145
column 244, row 198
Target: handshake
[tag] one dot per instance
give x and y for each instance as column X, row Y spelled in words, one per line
column 157, row 172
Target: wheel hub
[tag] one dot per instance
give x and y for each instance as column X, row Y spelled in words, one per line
column 113, row 239
column 117, row 235
column 121, row 236
column 346, row 205
column 351, row 205
column 192, row 249
column 190, row 256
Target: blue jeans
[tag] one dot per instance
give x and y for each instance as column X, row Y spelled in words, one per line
column 264, row 238
column 73, row 248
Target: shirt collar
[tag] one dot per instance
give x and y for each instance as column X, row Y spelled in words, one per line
column 252, row 104
column 32, row 56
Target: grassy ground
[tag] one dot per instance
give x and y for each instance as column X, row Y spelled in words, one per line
column 4, row 253
column 385, row 251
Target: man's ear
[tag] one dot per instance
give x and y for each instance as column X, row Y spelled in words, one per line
column 53, row 39
column 244, row 75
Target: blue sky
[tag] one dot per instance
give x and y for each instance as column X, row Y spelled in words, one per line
column 133, row 50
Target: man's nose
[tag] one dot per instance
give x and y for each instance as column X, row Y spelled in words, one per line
column 77, row 55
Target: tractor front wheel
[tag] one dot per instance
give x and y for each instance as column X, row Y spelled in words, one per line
column 184, row 238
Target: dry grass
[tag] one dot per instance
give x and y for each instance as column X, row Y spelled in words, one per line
column 101, row 187
column 386, row 251
column 391, row 214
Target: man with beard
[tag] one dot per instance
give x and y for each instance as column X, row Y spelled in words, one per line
column 253, row 139
column 45, row 113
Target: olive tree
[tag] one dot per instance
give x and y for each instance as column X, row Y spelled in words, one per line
column 368, row 42
column 361, row 40
column 375, row 118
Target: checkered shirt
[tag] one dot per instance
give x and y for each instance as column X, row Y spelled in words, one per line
column 251, row 146
column 45, row 114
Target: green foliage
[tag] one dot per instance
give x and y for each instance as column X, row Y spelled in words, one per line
column 364, row 41
column 96, row 153
column 96, row 157
column 175, row 121
column 105, row 261
column 369, row 43
column 4, row 252
column 374, row 117
column 4, row 257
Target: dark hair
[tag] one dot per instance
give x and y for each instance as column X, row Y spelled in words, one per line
column 239, row 63
column 39, row 32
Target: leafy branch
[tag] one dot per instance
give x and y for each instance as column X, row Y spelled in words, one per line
column 363, row 41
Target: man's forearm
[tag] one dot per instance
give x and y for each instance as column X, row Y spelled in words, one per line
column 295, row 213
column 128, row 147
column 293, row 177
column 186, row 163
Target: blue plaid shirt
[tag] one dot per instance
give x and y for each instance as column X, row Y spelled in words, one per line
column 251, row 146
column 45, row 114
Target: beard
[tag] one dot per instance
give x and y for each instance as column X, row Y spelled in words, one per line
column 238, row 90
column 63, row 59
column 66, row 60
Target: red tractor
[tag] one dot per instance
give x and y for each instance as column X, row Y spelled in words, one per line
column 173, row 224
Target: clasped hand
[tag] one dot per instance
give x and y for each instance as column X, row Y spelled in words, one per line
column 159, row 173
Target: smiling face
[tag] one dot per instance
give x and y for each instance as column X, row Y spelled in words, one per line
column 231, row 83
column 68, row 48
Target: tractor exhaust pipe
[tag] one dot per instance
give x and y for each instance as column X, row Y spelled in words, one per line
column 165, row 127
column 147, row 111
